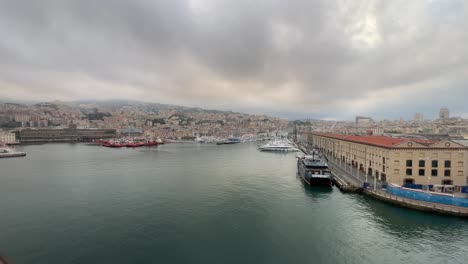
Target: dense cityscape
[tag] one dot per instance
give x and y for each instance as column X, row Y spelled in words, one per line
column 183, row 123
column 134, row 119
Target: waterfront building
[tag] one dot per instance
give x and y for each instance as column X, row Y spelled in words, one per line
column 7, row 137
column 66, row 134
column 400, row 160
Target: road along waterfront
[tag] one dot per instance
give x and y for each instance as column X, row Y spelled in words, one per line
column 201, row 203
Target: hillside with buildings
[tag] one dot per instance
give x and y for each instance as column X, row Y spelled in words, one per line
column 134, row 118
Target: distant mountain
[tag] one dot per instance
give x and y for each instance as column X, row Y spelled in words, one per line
column 104, row 106
column 118, row 104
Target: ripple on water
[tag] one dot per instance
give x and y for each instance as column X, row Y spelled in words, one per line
column 189, row 203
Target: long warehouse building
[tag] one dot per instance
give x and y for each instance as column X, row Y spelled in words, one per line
column 400, row 160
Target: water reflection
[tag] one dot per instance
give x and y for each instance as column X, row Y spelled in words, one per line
column 315, row 192
column 408, row 223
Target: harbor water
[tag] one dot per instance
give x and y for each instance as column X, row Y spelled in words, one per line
column 201, row 203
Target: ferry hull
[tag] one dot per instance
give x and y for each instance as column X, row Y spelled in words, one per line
column 313, row 181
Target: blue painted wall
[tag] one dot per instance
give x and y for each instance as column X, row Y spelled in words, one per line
column 428, row 197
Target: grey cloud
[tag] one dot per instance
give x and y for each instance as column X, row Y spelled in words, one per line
column 329, row 55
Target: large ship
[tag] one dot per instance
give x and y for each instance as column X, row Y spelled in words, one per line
column 314, row 171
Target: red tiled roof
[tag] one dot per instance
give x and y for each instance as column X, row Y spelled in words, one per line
column 383, row 141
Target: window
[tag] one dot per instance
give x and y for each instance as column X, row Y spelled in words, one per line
column 460, row 173
column 383, row 160
column 460, row 164
column 409, row 163
column 447, row 173
column 447, row 182
column 383, row 168
column 435, row 163
column 422, row 163
column 421, row 172
column 397, row 172
column 396, row 163
column 409, row 172
column 434, row 173
column 447, row 164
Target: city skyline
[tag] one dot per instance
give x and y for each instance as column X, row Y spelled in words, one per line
column 324, row 59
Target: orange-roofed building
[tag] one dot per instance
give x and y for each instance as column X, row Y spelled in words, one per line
column 399, row 160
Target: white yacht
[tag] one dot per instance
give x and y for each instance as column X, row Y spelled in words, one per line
column 278, row 146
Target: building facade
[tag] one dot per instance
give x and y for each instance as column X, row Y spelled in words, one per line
column 69, row 134
column 399, row 160
column 7, row 137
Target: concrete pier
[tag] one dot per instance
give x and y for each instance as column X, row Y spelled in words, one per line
column 12, row 155
column 8, row 152
column 344, row 186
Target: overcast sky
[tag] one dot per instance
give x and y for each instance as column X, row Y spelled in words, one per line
column 310, row 58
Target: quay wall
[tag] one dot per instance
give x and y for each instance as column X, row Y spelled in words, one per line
column 417, row 204
column 12, row 155
column 427, row 197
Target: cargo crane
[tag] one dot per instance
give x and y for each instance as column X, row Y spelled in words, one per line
column 333, row 126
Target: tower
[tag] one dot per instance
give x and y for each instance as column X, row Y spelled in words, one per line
column 444, row 113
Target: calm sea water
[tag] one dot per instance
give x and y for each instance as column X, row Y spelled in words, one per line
column 189, row 203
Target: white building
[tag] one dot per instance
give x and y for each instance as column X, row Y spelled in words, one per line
column 377, row 131
column 7, row 137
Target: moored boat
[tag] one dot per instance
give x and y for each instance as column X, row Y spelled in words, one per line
column 314, row 171
column 228, row 141
column 278, row 146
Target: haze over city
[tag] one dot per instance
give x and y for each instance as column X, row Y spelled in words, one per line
column 296, row 59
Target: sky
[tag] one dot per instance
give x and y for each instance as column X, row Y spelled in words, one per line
column 330, row 59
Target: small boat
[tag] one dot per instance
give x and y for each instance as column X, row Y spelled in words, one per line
column 314, row 171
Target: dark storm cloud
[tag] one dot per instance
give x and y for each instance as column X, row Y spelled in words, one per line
column 323, row 58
